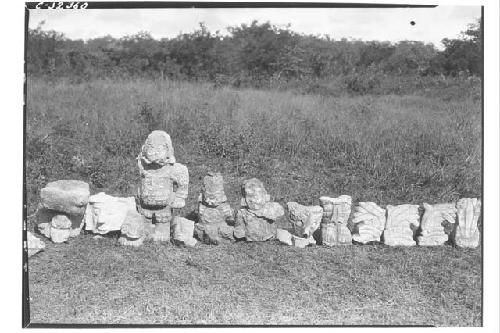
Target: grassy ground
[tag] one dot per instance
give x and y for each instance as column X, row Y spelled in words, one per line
column 387, row 149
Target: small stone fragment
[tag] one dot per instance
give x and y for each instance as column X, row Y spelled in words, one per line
column 369, row 220
column 336, row 212
column 65, row 196
column 402, row 223
column 284, row 236
column 302, row 242
column 35, row 244
column 432, row 230
column 183, row 230
column 304, row 219
column 133, row 229
column 467, row 233
column 106, row 213
column 60, row 228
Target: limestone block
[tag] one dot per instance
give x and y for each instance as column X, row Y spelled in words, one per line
column 35, row 244
column 214, row 233
column 369, row 219
column 65, row 196
column 253, row 228
column 467, row 232
column 44, row 217
column 156, row 188
column 302, row 242
column 183, row 231
column 432, row 230
column 254, row 194
column 304, row 219
column 157, row 149
column 60, row 228
column 284, row 236
column 402, row 223
column 133, row 229
column 336, row 212
column 212, row 190
column 106, row 213
column 223, row 213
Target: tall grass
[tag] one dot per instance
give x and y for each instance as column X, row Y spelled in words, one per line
column 388, row 149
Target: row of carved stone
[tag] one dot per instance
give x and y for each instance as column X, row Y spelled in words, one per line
column 66, row 206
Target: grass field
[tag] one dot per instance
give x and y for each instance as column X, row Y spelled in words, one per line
column 388, row 149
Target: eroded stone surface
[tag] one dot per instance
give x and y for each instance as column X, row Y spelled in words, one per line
column 401, row 226
column 60, row 228
column 284, row 236
column 336, row 212
column 369, row 219
column 133, row 229
column 106, row 213
column 467, row 233
column 432, row 231
column 183, row 230
column 212, row 190
column 35, row 244
column 65, row 196
column 305, row 220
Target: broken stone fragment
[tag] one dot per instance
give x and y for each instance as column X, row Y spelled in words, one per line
column 302, row 242
column 212, row 190
column 223, row 213
column 60, row 228
column 158, row 149
column 284, row 236
column 133, row 229
column 106, row 213
column 35, row 244
column 304, row 219
column 183, row 231
column 467, row 233
column 270, row 211
column 253, row 228
column 336, row 212
column 65, row 196
column 254, row 194
column 401, row 226
column 432, row 229
column 214, row 234
column 369, row 220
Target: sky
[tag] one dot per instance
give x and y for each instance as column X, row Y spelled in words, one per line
column 431, row 24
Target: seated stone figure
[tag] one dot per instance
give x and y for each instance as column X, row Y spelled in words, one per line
column 336, row 212
column 163, row 185
column 255, row 221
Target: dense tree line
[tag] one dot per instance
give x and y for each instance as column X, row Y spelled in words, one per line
column 249, row 55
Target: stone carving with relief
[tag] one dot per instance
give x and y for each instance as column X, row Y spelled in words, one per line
column 164, row 183
column 256, row 220
column 467, row 233
column 133, row 229
column 432, row 230
column 305, row 221
column 215, row 215
column 336, row 212
column 106, row 213
column 401, row 226
column 369, row 220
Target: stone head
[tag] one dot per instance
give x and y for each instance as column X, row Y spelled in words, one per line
column 254, row 194
column 158, row 149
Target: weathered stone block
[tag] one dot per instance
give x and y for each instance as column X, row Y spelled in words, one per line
column 305, row 220
column 336, row 212
column 401, row 226
column 369, row 220
column 60, row 228
column 183, row 230
column 106, row 213
column 432, row 231
column 65, row 196
column 467, row 233
column 133, row 229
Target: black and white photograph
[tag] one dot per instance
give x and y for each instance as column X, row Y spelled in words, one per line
column 264, row 164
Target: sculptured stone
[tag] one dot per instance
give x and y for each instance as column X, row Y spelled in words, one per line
column 156, row 187
column 65, row 196
column 253, row 228
column 214, row 233
column 223, row 213
column 254, row 194
column 305, row 220
column 106, row 213
column 212, row 190
column 183, row 230
column 467, row 233
column 401, row 226
column 432, row 230
column 44, row 217
column 60, row 228
column 158, row 149
column 336, row 212
column 369, row 220
column 35, row 244
column 133, row 229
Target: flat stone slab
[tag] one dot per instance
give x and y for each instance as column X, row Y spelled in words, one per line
column 66, row 196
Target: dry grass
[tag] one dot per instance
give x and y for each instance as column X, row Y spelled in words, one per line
column 387, row 149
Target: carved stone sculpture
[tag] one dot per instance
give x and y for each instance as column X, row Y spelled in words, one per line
column 467, row 233
column 304, row 219
column 60, row 228
column 255, row 221
column 106, row 213
column 164, row 183
column 34, row 244
column 432, row 230
column 369, row 221
column 133, row 229
column 214, row 212
column 402, row 223
column 183, row 230
column 336, row 212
